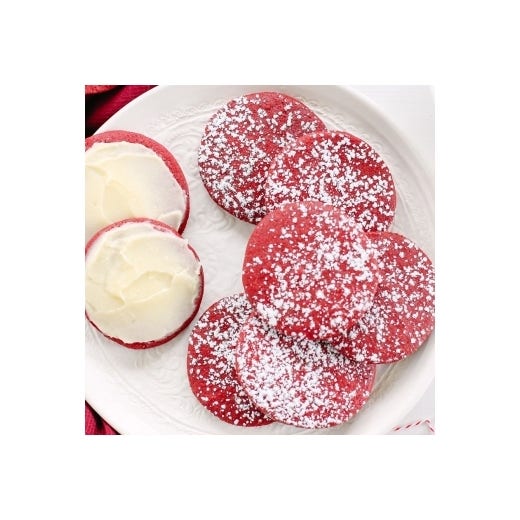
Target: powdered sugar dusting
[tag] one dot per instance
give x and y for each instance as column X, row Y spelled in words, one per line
column 403, row 312
column 336, row 168
column 300, row 382
column 211, row 363
column 310, row 271
column 239, row 143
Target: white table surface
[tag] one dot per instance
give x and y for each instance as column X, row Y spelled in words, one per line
column 411, row 109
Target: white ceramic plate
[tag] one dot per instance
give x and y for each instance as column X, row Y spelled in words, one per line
column 147, row 391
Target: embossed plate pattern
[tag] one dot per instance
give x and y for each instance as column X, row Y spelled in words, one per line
column 140, row 392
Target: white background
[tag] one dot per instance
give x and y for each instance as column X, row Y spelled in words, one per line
column 53, row 469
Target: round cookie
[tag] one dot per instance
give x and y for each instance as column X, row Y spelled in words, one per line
column 337, row 168
column 310, row 271
column 239, row 143
column 300, row 382
column 129, row 175
column 402, row 315
column 143, row 283
column 211, row 363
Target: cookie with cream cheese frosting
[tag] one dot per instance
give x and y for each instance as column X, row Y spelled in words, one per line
column 143, row 282
column 130, row 175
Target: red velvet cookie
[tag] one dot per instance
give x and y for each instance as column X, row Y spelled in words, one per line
column 143, row 282
column 239, row 143
column 130, row 175
column 339, row 169
column 310, row 271
column 402, row 315
column 300, row 382
column 211, row 363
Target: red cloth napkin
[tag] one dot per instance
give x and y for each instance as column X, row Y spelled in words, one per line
column 105, row 102
column 102, row 102
column 95, row 425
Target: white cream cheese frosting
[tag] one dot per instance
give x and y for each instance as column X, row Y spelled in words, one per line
column 141, row 284
column 127, row 180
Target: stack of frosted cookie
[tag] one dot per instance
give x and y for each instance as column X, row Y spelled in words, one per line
column 143, row 281
column 330, row 292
